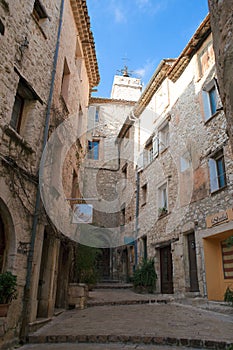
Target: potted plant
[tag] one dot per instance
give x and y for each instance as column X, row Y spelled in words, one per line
column 8, row 291
column 162, row 211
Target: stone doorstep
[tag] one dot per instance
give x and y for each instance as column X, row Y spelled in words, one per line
column 40, row 322
column 130, row 339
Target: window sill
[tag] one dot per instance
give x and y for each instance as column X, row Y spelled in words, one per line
column 218, row 190
column 212, row 117
column 9, row 131
column 161, row 216
column 164, row 150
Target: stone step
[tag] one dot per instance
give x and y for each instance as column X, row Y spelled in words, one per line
column 129, row 339
column 115, row 285
column 91, row 303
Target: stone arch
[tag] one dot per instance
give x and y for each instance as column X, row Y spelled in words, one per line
column 8, row 246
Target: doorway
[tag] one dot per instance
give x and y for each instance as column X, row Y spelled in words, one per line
column 194, row 287
column 2, row 244
column 166, row 271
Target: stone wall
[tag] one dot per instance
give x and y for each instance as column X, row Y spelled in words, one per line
column 191, row 139
column 27, row 50
column 222, row 27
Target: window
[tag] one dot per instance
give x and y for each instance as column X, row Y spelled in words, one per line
column 164, row 137
column 210, row 100
column 144, row 194
column 149, row 151
column 227, row 258
column 217, row 172
column 124, row 173
column 93, row 150
column 17, row 113
column 155, row 146
column 127, row 134
column 97, row 115
column 39, row 11
column 65, row 81
column 185, row 162
column 2, row 28
column 163, row 200
column 206, row 58
column 122, row 218
column 23, row 98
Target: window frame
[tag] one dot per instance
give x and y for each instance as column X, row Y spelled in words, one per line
column 215, row 173
column 39, row 11
column 164, row 137
column 162, row 202
column 209, row 105
column 91, row 150
column 144, row 194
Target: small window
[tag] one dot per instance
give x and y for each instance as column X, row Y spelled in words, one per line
column 93, row 150
column 2, row 28
column 185, row 162
column 155, row 146
column 206, row 59
column 24, row 96
column 97, row 116
column 210, row 101
column 149, row 152
column 217, row 172
column 65, row 81
column 164, row 138
column 144, row 194
column 124, row 171
column 163, row 200
column 127, row 134
column 39, row 11
column 122, row 218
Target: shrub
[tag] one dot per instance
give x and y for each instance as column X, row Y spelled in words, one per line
column 8, row 291
column 228, row 296
column 144, row 278
column 85, row 265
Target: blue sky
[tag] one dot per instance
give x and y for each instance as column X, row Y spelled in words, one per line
column 143, row 32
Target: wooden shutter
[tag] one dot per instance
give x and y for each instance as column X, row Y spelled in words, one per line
column 213, row 175
column 155, row 144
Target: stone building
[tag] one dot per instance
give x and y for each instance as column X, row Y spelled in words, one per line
column 101, row 176
column 181, row 212
column 222, row 27
column 48, row 70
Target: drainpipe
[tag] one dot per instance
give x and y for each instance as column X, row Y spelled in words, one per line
column 26, row 301
column 136, row 214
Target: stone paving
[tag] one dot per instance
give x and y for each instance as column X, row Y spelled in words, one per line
column 136, row 319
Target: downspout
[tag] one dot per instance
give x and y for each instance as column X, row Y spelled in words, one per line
column 136, row 218
column 26, row 307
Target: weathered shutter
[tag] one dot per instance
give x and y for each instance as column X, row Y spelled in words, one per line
column 155, row 145
column 213, row 175
column 206, row 105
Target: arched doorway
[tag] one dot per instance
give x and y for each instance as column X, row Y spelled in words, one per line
column 7, row 238
column 2, row 244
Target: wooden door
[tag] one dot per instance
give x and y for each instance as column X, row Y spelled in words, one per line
column 194, row 287
column 166, row 272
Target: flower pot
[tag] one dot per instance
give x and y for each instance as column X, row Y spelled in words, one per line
column 4, row 309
